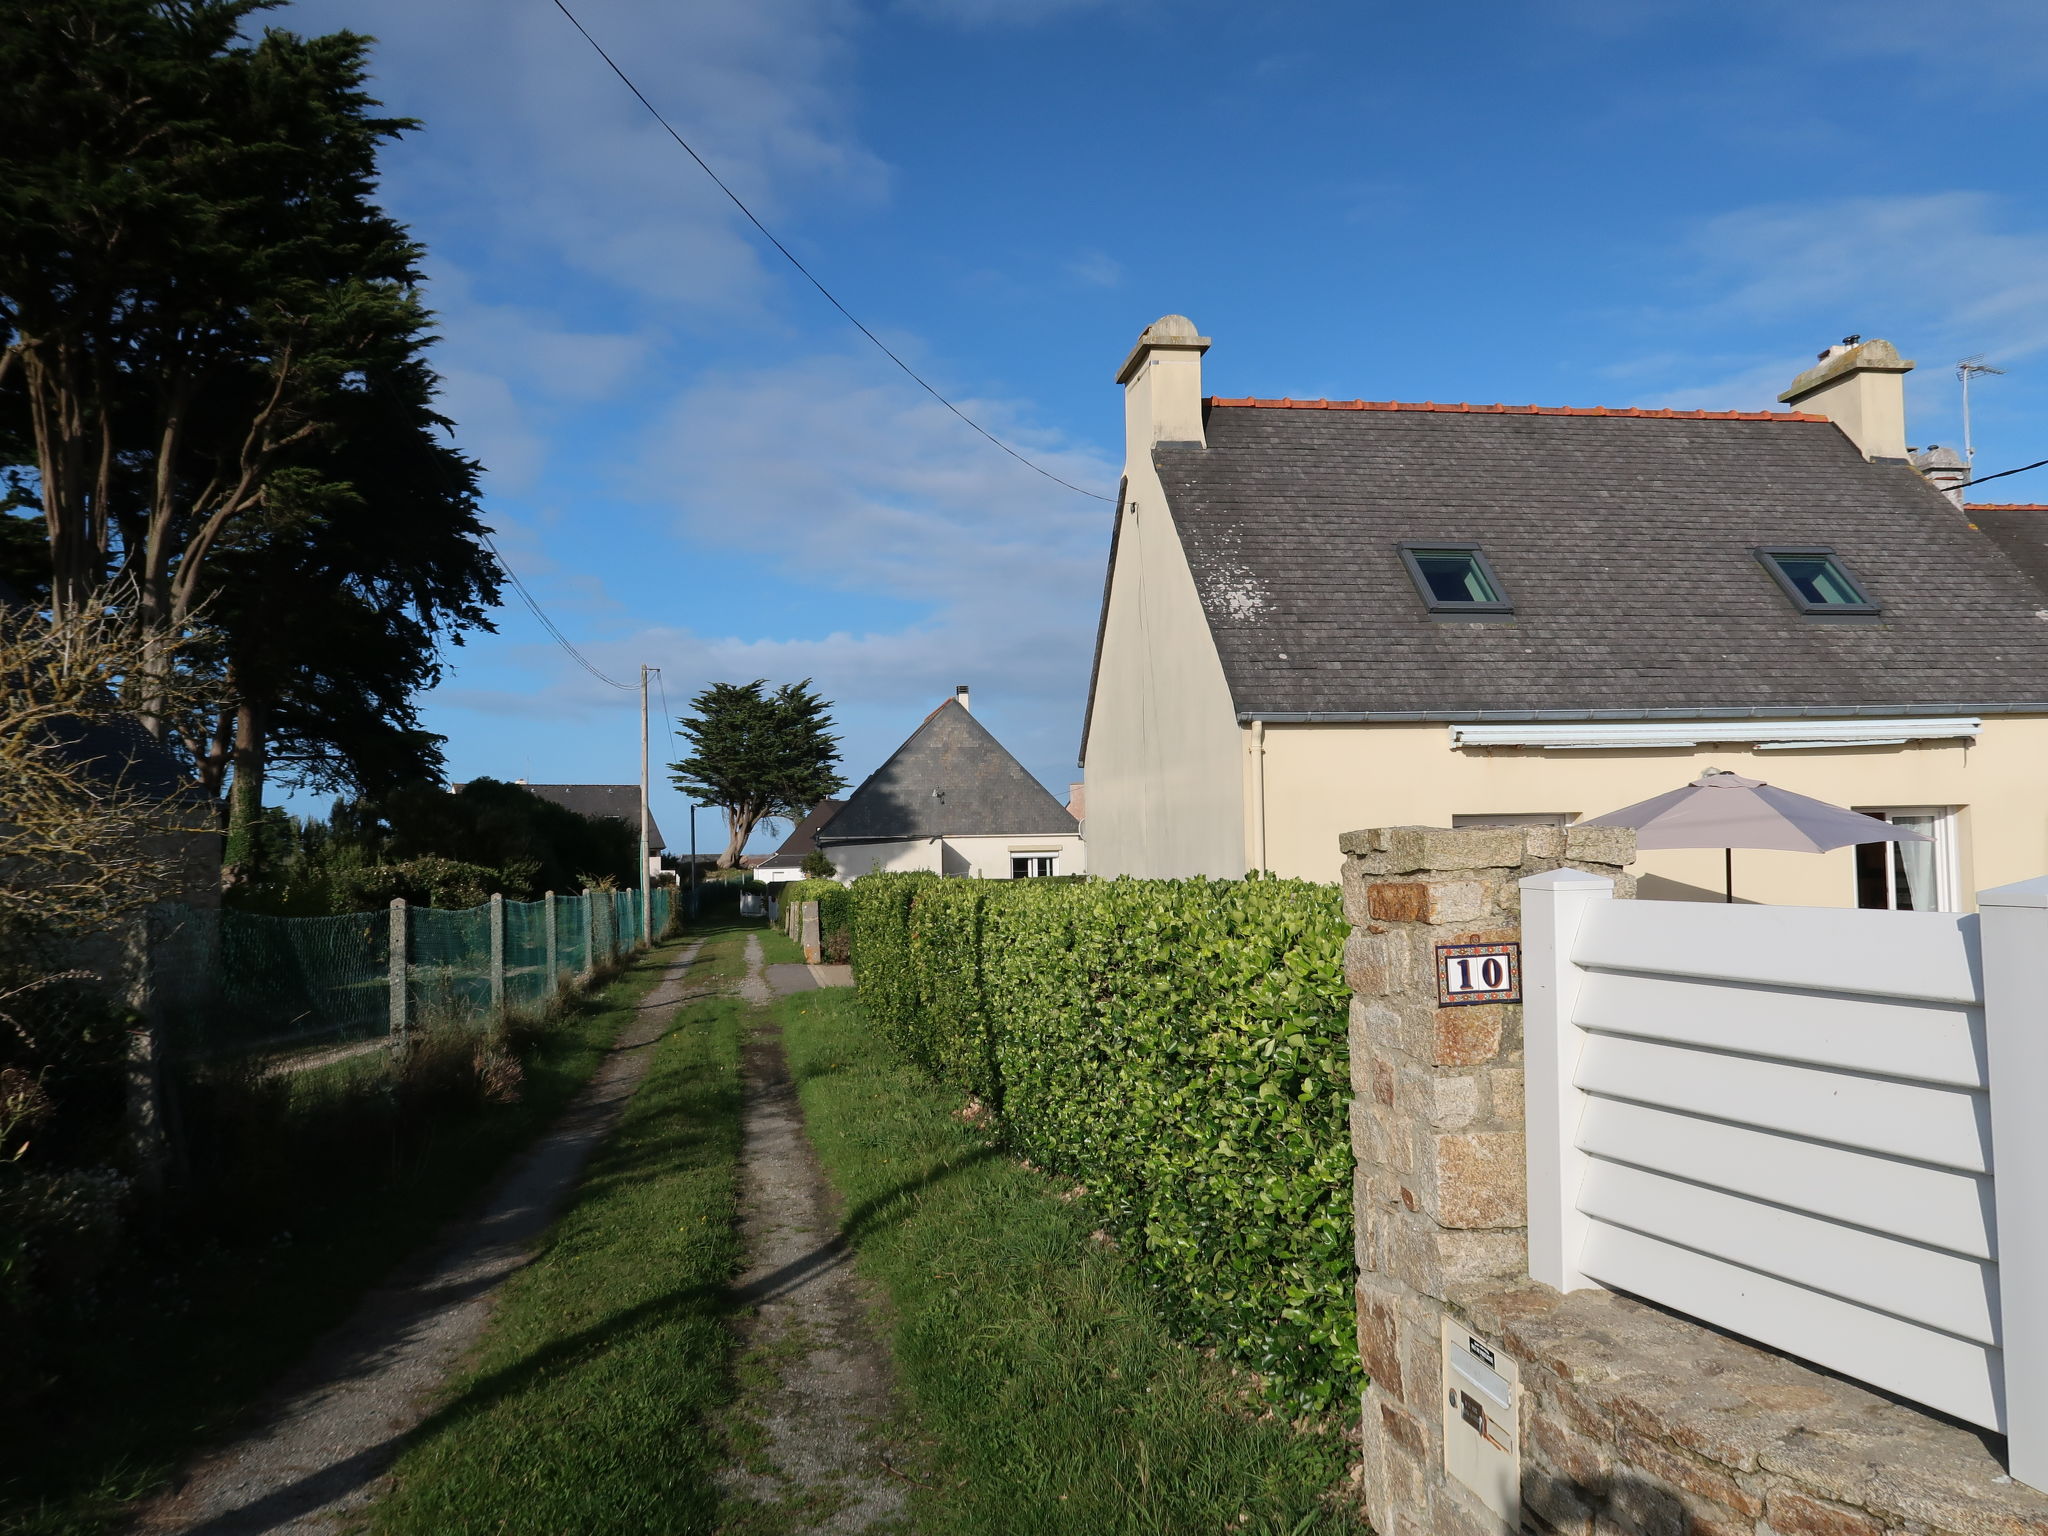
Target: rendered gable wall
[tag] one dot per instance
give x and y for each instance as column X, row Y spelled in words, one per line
column 1164, row 767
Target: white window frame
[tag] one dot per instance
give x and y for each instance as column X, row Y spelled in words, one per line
column 1948, row 881
column 1051, row 856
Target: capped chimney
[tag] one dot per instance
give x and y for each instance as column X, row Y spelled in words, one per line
column 1162, row 380
column 960, row 698
column 1945, row 469
column 1861, row 387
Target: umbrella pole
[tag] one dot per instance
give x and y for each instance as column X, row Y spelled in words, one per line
column 1728, row 874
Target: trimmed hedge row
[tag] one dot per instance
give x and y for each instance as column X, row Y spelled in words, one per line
column 1177, row 1046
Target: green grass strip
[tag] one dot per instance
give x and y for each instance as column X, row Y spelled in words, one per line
column 182, row 1342
column 590, row 1404
column 1046, row 1393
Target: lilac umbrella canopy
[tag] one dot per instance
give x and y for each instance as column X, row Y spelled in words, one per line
column 1725, row 810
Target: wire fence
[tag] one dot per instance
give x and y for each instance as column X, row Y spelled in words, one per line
column 233, row 983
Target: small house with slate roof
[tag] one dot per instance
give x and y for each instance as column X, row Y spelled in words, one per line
column 1321, row 615
column 953, row 801
column 787, row 862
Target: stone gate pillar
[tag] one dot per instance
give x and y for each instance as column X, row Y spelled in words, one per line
column 1436, row 1124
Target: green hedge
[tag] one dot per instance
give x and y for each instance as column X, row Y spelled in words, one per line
column 1179, row 1048
column 835, row 913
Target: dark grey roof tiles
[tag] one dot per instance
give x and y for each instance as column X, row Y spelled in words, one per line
column 1625, row 544
column 802, row 837
column 950, row 779
column 621, row 801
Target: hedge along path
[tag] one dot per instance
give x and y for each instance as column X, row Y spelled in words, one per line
column 1179, row 1048
column 336, row 1423
column 817, row 1381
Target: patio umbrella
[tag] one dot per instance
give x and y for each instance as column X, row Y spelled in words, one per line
column 1727, row 811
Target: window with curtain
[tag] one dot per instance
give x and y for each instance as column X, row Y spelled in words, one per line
column 1909, row 877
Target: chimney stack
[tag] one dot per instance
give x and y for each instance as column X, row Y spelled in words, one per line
column 960, row 698
column 1861, row 387
column 1162, row 380
column 1945, row 469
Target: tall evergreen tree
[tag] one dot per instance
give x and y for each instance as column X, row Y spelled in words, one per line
column 212, row 376
column 758, row 754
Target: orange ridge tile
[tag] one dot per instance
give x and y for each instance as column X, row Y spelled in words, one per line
column 1463, row 407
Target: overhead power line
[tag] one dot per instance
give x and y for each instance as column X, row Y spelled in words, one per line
column 790, row 256
column 1980, row 479
column 549, row 625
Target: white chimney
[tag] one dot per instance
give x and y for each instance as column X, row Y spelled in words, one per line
column 960, row 698
column 1861, row 387
column 1162, row 380
column 1945, row 469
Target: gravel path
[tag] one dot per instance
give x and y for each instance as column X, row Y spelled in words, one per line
column 828, row 1381
column 337, row 1422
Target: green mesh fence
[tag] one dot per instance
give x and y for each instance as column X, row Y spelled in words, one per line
column 527, row 983
column 238, row 981
column 572, row 947
column 451, row 962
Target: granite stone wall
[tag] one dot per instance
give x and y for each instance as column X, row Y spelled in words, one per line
column 1634, row 1422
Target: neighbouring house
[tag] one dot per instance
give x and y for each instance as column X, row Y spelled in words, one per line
column 953, row 801
column 1322, row 615
column 787, row 862
column 621, row 802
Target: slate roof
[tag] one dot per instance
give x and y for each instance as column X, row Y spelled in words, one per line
column 950, row 779
column 801, row 839
column 1624, row 540
column 2021, row 530
column 617, row 800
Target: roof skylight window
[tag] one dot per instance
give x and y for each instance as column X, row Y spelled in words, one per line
column 1817, row 582
column 1456, row 581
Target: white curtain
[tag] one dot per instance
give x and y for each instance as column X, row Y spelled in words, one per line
column 1915, row 867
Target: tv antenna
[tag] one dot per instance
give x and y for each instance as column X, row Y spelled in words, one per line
column 1965, row 370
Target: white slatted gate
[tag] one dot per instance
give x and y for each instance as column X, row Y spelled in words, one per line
column 1780, row 1120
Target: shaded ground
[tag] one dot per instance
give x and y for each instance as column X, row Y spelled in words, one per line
column 817, row 1379
column 338, row 1421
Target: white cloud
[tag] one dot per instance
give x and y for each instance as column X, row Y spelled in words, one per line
column 1942, row 275
column 1098, row 269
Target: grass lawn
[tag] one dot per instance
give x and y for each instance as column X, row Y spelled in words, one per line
column 176, row 1345
column 592, row 1403
column 1042, row 1390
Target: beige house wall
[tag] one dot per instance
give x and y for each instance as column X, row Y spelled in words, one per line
column 1162, row 768
column 1324, row 780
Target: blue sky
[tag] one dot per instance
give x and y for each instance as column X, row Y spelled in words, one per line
column 695, row 463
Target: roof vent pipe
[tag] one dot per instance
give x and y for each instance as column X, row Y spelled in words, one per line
column 960, row 698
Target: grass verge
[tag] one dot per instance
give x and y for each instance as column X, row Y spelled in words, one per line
column 591, row 1402
column 171, row 1350
column 1046, row 1393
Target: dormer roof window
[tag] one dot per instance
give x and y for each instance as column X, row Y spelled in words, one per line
column 1455, row 581
column 1817, row 581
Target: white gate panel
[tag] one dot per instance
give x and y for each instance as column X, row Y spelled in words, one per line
column 1919, row 955
column 1924, row 1042
column 1948, row 1374
column 1921, row 1285
column 1941, row 1207
column 1930, row 1124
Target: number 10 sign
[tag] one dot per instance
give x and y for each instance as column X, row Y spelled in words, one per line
column 1478, row 973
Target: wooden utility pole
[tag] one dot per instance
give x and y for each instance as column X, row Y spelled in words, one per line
column 646, row 878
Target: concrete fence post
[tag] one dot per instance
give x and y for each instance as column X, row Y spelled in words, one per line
column 497, row 956
column 2013, row 937
column 589, row 937
column 554, row 948
column 401, row 1002
column 1553, row 906
column 148, row 1143
column 813, row 935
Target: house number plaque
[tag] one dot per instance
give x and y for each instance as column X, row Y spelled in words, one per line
column 1478, row 973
